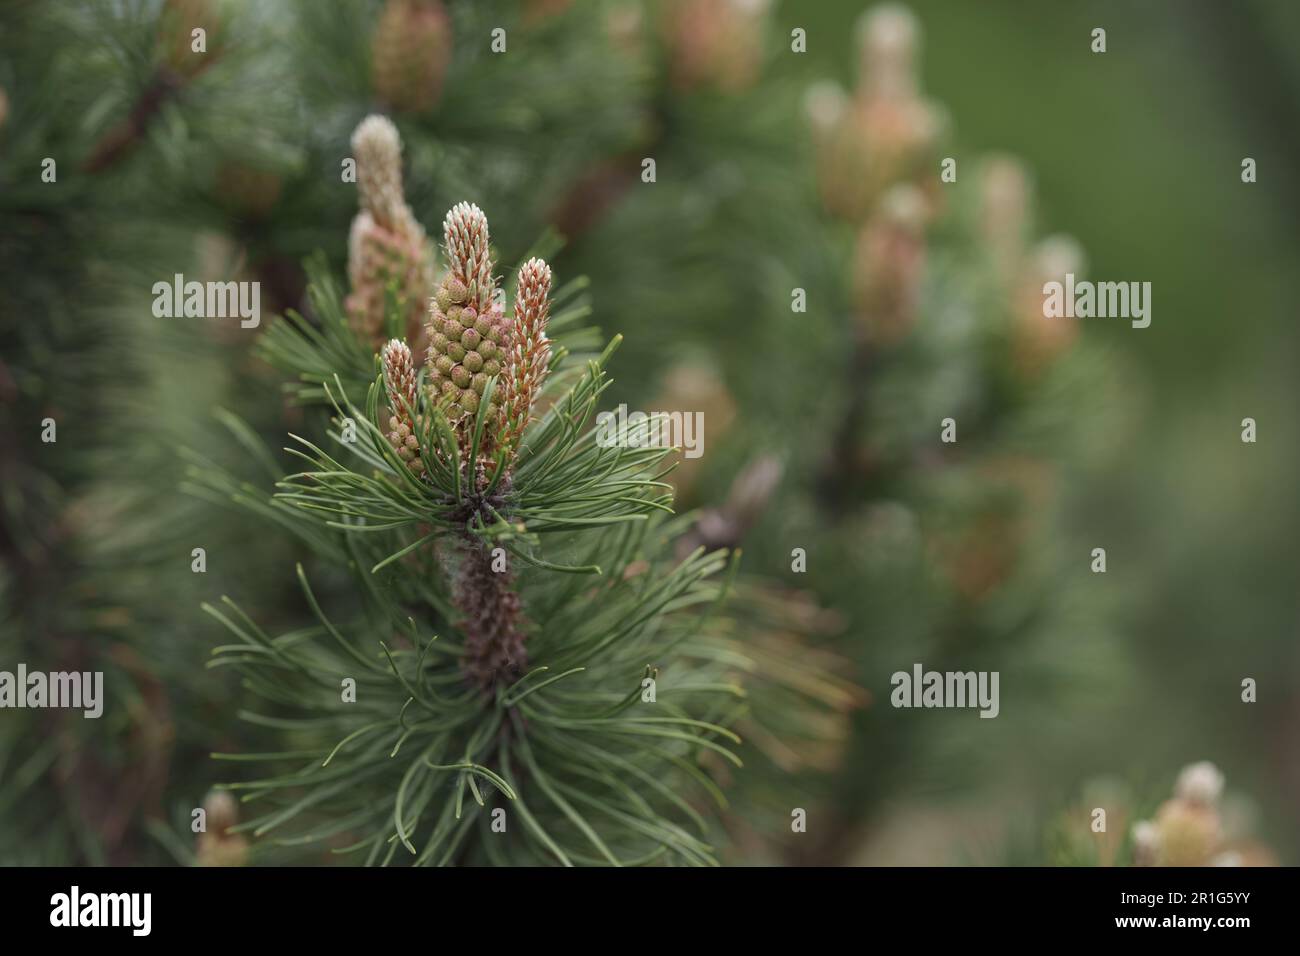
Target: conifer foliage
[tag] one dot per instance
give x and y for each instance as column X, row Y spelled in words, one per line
column 531, row 675
column 387, row 244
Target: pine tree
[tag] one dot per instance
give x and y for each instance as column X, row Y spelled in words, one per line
column 525, row 638
column 450, row 649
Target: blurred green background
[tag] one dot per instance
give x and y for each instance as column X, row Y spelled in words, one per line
column 1137, row 153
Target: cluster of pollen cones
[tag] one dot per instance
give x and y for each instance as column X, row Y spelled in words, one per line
column 458, row 326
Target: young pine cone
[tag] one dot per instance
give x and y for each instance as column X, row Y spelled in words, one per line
column 387, row 248
column 177, row 21
column 400, row 384
column 885, row 134
column 466, row 348
column 889, row 264
column 469, row 334
column 216, row 846
column 1006, row 216
column 410, row 51
column 530, row 350
column 1188, row 828
column 377, row 260
column 715, row 43
column 1037, row 340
